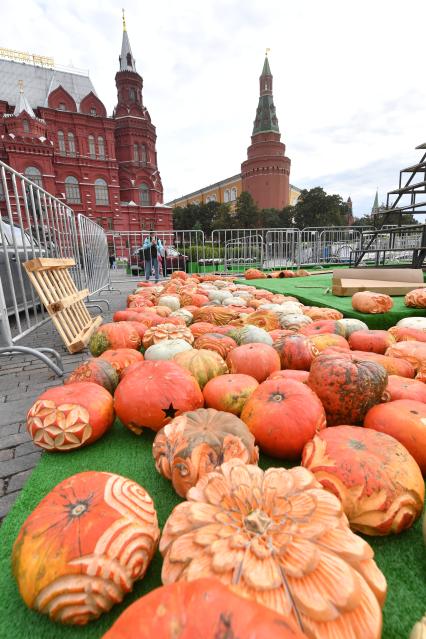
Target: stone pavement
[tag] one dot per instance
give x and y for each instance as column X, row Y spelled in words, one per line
column 23, row 379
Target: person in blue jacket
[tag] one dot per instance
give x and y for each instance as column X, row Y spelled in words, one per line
column 151, row 249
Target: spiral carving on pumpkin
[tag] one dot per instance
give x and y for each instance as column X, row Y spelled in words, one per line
column 93, row 535
column 283, row 541
column 58, row 427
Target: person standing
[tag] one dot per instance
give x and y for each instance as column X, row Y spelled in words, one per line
column 151, row 249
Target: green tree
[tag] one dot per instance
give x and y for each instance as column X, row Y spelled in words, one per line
column 223, row 218
column 247, row 213
column 196, row 216
column 316, row 208
column 376, row 221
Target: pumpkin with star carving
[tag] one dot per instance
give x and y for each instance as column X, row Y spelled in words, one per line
column 153, row 393
column 82, row 548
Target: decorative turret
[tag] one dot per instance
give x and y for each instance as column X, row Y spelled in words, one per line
column 127, row 61
column 265, row 173
column 23, row 121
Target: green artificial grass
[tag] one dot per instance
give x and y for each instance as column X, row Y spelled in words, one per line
column 311, row 291
column 402, row 558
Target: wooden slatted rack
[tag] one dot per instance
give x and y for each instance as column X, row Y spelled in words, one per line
column 63, row 301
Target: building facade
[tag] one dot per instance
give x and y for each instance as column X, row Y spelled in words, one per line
column 55, row 130
column 265, row 174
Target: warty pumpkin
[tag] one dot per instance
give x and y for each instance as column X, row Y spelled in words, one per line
column 200, row 609
column 97, row 371
column 197, row 442
column 283, row 414
column 155, row 392
column 282, row 540
column 296, row 352
column 85, row 544
column 70, row 416
column 346, row 386
column 377, row 480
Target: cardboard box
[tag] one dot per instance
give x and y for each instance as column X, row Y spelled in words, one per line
column 392, row 281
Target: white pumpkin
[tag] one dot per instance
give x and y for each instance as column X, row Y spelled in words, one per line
column 172, row 301
column 351, row 325
column 290, row 308
column 234, row 301
column 166, row 349
column 413, row 322
column 254, row 334
column 186, row 315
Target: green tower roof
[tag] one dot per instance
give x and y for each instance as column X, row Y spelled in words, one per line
column 266, row 117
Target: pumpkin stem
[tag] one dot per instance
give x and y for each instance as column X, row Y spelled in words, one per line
column 257, row 521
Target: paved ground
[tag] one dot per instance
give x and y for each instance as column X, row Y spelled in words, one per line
column 22, row 380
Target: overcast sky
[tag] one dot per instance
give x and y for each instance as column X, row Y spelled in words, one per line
column 349, row 80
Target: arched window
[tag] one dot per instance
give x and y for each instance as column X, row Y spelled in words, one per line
column 62, row 106
column 92, row 110
column 129, row 59
column 72, row 190
column 135, row 153
column 34, row 175
column 61, row 142
column 233, row 194
column 101, row 148
column 132, row 95
column 143, row 153
column 144, row 195
column 226, row 196
column 92, row 148
column 71, row 145
column 101, row 192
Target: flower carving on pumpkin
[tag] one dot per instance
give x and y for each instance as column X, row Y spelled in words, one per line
column 58, row 427
column 282, row 540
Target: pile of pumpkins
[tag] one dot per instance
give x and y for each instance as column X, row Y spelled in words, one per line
column 220, row 370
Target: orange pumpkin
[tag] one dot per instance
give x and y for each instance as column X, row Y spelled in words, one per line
column 197, row 442
column 229, row 393
column 203, row 364
column 296, row 352
column 215, row 315
column 371, row 341
column 155, row 392
column 320, row 313
column 392, row 365
column 413, row 352
column 204, row 608
column 318, row 327
column 346, row 386
column 416, row 298
column 114, row 335
column 283, row 414
column 405, row 333
column 325, row 340
column 121, row 358
column 368, row 302
column 97, row 371
column 254, row 274
column 404, row 419
column 200, row 328
column 70, row 416
column 221, row 344
column 404, row 388
column 376, row 479
column 257, row 360
column 288, row 373
column 85, row 544
column 282, row 540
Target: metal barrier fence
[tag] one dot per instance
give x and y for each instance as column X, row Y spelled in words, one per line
column 33, row 223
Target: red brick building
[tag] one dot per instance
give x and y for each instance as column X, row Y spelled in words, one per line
column 55, row 130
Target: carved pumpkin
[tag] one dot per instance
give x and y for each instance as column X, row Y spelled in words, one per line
column 283, row 541
column 153, row 393
column 256, row 360
column 413, row 352
column 294, row 322
column 71, row 416
column 346, row 387
column 193, row 299
column 221, row 344
column 114, row 335
column 197, row 442
column 318, row 327
column 167, row 349
column 288, row 373
column 267, row 320
column 201, row 328
column 229, row 392
column 404, row 419
column 349, row 325
column 368, row 302
column 121, row 358
column 416, row 298
column 187, row 316
column 404, row 388
column 405, row 334
column 371, row 341
column 181, row 275
column 377, row 480
column 320, row 313
column 215, row 315
column 296, row 352
column 166, row 331
column 202, row 364
column 204, row 608
column 97, row 371
column 254, row 274
column 283, row 414
column 84, row 545
column 163, row 311
column 327, row 340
